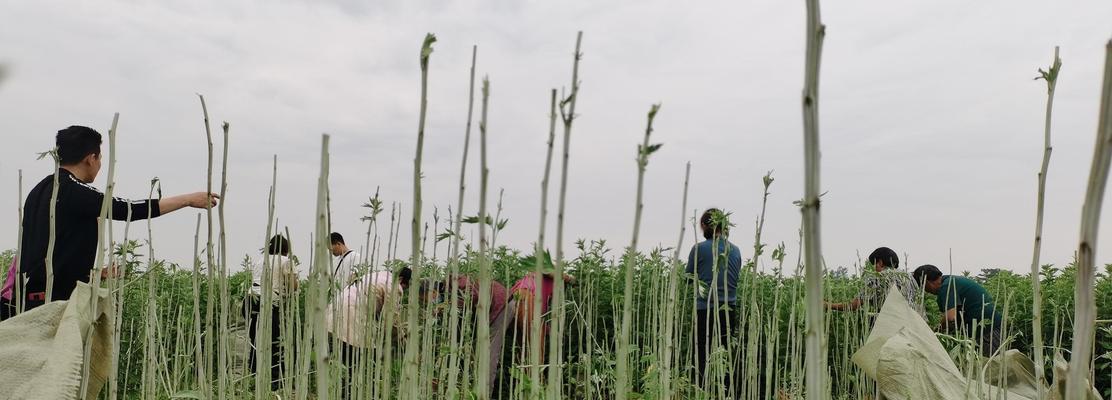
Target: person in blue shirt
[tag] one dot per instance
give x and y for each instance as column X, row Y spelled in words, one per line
column 716, row 266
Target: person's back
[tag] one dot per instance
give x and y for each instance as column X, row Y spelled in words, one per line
column 77, row 209
column 971, row 299
column 717, row 264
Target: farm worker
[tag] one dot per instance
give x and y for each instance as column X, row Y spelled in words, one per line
column 347, row 316
column 884, row 273
column 522, row 296
column 7, row 305
column 963, row 299
column 283, row 283
column 467, row 298
column 78, row 208
column 343, row 269
column 716, row 263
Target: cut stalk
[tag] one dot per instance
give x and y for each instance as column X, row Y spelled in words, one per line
column 409, row 365
column 670, row 299
column 1085, row 305
column 1051, row 77
column 538, row 253
column 94, row 292
column 18, row 295
column 453, row 260
column 222, row 363
column 482, row 314
column 321, row 277
column 53, row 227
column 816, row 376
column 556, row 355
column 623, row 387
column 210, row 305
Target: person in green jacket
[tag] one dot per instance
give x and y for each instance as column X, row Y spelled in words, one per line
column 965, row 305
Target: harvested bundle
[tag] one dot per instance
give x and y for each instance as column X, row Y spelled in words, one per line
column 43, row 349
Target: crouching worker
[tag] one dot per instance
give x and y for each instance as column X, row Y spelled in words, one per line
column 466, row 297
column 963, row 300
column 283, row 283
column 523, row 296
column 351, row 317
column 885, row 265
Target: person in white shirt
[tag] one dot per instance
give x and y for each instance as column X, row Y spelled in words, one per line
column 283, row 283
column 343, row 269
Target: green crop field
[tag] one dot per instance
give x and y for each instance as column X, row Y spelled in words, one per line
column 623, row 328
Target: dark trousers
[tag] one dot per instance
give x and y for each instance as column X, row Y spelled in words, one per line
column 349, row 357
column 709, row 339
column 7, row 309
column 252, row 315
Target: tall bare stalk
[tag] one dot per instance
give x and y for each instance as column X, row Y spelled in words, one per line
column 668, row 342
column 321, row 279
column 198, row 348
column 18, row 294
column 1084, row 303
column 53, row 226
column 102, row 223
column 222, row 363
column 816, row 376
column 538, row 253
column 453, row 260
column 622, row 383
column 1051, row 78
column 556, row 348
column 482, row 314
column 210, row 305
column 408, row 389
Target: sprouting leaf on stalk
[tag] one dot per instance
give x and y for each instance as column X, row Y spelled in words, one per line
column 652, row 149
column 426, row 48
column 768, row 179
column 52, row 152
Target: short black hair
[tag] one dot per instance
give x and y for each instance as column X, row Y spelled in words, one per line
column 715, row 222
column 885, row 255
column 336, row 237
column 76, row 142
column 928, row 271
column 279, row 245
column 405, row 275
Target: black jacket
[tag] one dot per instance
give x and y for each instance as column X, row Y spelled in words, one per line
column 75, row 240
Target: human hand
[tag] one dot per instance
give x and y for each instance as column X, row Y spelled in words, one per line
column 202, row 199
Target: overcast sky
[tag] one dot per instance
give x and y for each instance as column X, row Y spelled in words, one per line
column 931, row 122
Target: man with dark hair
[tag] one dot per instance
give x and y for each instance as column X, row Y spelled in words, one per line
column 343, row 271
column 77, row 213
column 884, row 273
column 961, row 298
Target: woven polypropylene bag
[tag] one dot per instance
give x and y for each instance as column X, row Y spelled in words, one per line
column 42, row 351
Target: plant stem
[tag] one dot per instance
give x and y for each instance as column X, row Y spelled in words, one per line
column 538, row 253
column 409, row 365
column 1051, row 78
column 623, row 387
column 556, row 355
column 816, row 377
column 482, row 314
column 103, row 222
column 1085, row 305
column 453, row 260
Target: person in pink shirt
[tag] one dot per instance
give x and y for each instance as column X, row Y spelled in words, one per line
column 468, row 298
column 523, row 294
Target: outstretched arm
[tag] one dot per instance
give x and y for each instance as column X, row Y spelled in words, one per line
column 195, row 200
